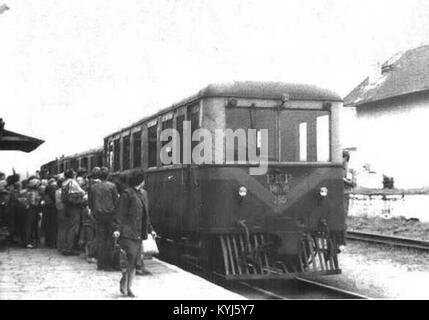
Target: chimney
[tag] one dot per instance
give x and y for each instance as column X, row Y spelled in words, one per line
column 375, row 73
column 386, row 67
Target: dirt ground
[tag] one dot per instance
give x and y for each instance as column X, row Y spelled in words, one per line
column 397, row 226
column 382, row 272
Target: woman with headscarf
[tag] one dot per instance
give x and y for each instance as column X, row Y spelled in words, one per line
column 32, row 215
column 131, row 225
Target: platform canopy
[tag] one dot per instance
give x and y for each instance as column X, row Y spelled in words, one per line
column 10, row 140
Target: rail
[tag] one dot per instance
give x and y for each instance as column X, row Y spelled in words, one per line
column 395, row 241
column 298, row 288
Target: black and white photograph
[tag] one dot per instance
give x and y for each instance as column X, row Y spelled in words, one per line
column 214, row 150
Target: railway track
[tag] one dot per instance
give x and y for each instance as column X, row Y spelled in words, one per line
column 388, row 240
column 298, row 288
column 280, row 289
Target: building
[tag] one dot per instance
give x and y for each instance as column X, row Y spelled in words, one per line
column 391, row 113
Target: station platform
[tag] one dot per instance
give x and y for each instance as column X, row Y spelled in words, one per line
column 45, row 274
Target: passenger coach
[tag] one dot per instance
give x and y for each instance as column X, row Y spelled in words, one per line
column 87, row 159
column 218, row 217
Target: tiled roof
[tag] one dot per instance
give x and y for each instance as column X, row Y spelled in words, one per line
column 404, row 73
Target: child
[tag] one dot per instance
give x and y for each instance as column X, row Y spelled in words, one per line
column 87, row 234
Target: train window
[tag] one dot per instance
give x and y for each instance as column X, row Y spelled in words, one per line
column 116, row 154
column 253, row 118
column 323, row 143
column 179, row 125
column 98, row 160
column 168, row 124
column 126, row 152
column 194, row 117
column 137, row 149
column 90, row 163
column 74, row 164
column 153, row 138
column 84, row 163
column 303, row 141
column 109, row 155
column 303, row 136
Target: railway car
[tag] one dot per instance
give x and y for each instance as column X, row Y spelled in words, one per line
column 219, row 217
column 87, row 159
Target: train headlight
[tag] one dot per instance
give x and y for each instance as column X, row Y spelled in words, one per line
column 323, row 192
column 242, row 191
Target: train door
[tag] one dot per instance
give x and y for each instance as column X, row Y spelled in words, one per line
column 182, row 178
column 193, row 194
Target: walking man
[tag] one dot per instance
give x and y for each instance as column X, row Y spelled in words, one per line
column 103, row 200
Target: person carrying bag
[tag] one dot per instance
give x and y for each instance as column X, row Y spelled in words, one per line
column 131, row 227
column 70, row 197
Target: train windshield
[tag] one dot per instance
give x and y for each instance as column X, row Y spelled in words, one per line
column 293, row 134
column 304, row 135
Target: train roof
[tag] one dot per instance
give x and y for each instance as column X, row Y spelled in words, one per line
column 269, row 90
column 266, row 90
column 83, row 153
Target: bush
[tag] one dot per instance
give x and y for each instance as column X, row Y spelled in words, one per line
column 388, row 182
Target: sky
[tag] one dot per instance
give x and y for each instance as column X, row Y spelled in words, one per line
column 72, row 72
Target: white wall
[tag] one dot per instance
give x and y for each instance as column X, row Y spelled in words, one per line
column 393, row 137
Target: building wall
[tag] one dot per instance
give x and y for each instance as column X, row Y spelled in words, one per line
column 392, row 136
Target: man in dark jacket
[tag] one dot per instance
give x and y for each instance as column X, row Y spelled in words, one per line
column 49, row 220
column 103, row 200
column 5, row 226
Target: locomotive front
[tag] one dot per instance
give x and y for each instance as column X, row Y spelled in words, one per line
column 288, row 218
column 262, row 201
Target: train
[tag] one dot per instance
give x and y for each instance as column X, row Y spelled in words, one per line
column 216, row 215
column 86, row 160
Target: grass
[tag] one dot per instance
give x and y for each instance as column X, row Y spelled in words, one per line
column 397, row 226
column 371, row 191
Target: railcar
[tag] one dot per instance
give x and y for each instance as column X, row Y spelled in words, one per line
column 87, row 159
column 218, row 216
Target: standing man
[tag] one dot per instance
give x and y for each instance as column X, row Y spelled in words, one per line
column 348, row 186
column 103, row 200
column 49, row 220
column 4, row 197
column 348, row 182
column 4, row 212
column 3, row 182
column 72, row 198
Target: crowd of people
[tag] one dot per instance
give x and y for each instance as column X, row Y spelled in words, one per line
column 80, row 213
